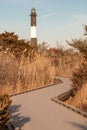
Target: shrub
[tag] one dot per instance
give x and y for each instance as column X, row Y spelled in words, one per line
column 80, row 75
column 5, row 102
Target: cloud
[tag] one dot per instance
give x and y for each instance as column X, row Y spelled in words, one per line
column 77, row 21
column 47, row 15
column 80, row 18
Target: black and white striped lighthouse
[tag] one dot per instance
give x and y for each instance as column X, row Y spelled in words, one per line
column 33, row 40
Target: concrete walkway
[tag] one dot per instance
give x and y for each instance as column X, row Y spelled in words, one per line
column 35, row 111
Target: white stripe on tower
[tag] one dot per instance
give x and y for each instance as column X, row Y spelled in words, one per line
column 33, row 32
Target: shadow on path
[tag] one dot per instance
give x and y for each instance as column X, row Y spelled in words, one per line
column 81, row 126
column 18, row 120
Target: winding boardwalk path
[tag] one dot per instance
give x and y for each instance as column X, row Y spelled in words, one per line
column 35, row 111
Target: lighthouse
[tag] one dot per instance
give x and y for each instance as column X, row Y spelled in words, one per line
column 33, row 39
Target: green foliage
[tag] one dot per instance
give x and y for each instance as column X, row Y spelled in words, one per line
column 5, row 102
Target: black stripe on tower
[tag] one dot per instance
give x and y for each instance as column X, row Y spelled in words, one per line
column 34, row 43
column 33, row 17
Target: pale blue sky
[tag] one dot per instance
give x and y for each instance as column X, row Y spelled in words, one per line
column 57, row 20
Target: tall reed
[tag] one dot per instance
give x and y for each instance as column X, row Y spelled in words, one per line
column 26, row 74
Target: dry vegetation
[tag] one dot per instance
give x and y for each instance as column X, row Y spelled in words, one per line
column 79, row 78
column 34, row 71
column 23, row 68
column 16, row 76
column 80, row 99
column 5, row 114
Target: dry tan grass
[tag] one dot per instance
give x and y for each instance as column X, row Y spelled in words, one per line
column 18, row 76
column 80, row 99
column 35, row 71
column 66, row 65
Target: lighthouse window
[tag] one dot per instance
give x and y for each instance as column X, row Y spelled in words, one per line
column 33, row 10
